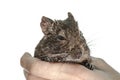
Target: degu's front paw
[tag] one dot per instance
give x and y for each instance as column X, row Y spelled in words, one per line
column 87, row 65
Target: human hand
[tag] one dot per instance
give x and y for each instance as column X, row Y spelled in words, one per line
column 36, row 69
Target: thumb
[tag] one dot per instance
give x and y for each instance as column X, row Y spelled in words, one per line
column 100, row 64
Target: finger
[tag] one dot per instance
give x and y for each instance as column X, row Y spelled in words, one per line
column 27, row 61
column 32, row 77
column 100, row 64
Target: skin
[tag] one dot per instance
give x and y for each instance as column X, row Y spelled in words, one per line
column 35, row 69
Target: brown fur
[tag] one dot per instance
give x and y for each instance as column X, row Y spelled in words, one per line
column 62, row 42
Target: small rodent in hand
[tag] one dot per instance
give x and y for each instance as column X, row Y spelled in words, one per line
column 63, row 42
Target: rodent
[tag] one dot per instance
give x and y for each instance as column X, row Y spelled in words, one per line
column 63, row 42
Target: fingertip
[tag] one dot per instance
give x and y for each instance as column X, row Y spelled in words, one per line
column 27, row 54
column 100, row 64
column 97, row 60
column 27, row 61
column 23, row 58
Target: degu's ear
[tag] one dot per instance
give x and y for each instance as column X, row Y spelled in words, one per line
column 46, row 25
column 71, row 21
column 70, row 16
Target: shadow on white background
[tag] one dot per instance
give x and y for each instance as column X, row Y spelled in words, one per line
column 99, row 20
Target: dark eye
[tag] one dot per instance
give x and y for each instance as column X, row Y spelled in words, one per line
column 59, row 37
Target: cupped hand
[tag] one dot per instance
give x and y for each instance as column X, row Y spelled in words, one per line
column 35, row 69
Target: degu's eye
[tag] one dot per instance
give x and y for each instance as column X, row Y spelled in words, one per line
column 59, row 37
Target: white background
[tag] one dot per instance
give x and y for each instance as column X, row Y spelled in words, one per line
column 99, row 20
